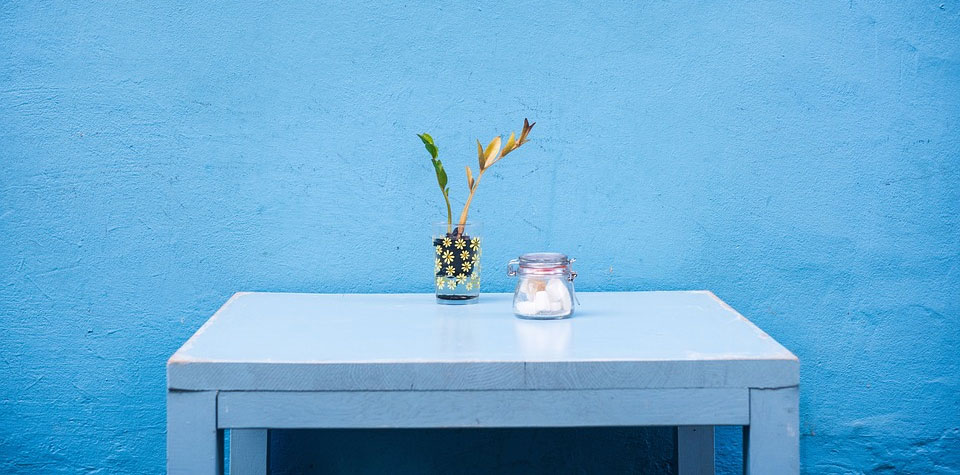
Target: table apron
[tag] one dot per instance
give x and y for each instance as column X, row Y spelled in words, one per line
column 508, row 408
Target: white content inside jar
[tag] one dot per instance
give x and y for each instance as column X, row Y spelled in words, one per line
column 543, row 296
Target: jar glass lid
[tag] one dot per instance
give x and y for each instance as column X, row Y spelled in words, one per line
column 544, row 260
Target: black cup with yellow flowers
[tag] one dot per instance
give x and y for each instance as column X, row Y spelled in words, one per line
column 456, row 263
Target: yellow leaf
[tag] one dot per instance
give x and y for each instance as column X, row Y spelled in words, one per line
column 490, row 154
column 469, row 178
column 480, row 154
column 511, row 142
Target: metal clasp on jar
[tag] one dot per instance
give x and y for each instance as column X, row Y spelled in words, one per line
column 512, row 267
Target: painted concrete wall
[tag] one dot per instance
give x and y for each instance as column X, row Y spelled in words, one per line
column 800, row 159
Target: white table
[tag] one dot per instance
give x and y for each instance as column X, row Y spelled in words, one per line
column 273, row 360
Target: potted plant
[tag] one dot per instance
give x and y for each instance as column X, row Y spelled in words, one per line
column 457, row 246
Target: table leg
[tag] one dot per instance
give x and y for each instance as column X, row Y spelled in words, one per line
column 695, row 450
column 772, row 442
column 194, row 445
column 248, row 451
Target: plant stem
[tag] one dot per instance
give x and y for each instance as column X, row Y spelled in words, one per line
column 466, row 207
column 446, row 198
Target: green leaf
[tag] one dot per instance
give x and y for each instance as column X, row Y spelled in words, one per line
column 441, row 173
column 428, row 144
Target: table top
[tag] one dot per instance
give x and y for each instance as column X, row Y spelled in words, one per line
column 286, row 341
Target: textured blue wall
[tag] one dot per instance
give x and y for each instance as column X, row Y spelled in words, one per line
column 801, row 159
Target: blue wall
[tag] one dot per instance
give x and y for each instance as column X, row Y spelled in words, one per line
column 800, row 159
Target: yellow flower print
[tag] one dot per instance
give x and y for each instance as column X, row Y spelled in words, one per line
column 437, row 266
column 466, row 266
column 461, row 243
column 446, row 242
column 448, row 256
column 470, row 285
column 461, row 278
column 440, row 282
column 475, row 244
column 450, row 271
column 439, row 249
column 464, row 255
column 451, row 284
column 474, row 257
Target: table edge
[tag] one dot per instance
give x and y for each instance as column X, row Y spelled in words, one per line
column 179, row 356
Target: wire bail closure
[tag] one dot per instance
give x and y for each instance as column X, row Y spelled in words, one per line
column 537, row 264
column 512, row 267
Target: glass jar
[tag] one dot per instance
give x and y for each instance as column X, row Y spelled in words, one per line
column 456, row 264
column 545, row 286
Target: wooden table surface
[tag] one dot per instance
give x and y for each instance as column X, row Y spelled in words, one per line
column 278, row 341
column 686, row 358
